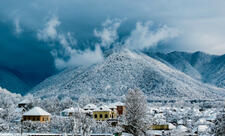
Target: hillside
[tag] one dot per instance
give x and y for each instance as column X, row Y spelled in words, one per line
column 12, row 82
column 123, row 70
column 201, row 66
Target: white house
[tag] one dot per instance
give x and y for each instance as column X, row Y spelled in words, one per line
column 37, row 114
column 72, row 111
column 89, row 108
column 24, row 103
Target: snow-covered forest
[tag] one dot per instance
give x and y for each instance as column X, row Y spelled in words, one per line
column 182, row 117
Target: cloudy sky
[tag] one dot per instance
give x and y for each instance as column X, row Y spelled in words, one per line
column 39, row 37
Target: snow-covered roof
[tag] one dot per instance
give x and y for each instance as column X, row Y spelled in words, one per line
column 182, row 128
column 69, row 110
column 25, row 101
column 171, row 126
column 202, row 128
column 180, row 122
column 90, row 106
column 112, row 106
column 36, row 111
column 159, row 116
column 161, row 121
column 78, row 109
column 103, row 108
column 119, row 104
column 72, row 110
column 88, row 111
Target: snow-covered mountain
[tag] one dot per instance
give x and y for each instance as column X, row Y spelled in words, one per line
column 122, row 70
column 201, row 66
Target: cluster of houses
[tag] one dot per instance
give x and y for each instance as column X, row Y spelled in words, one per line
column 102, row 113
column 164, row 120
column 182, row 121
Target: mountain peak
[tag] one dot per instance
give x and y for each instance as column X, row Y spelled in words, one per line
column 123, row 70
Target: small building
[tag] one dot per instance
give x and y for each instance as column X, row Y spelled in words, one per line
column 25, row 104
column 90, row 107
column 181, row 128
column 103, row 113
column 37, row 114
column 120, row 107
column 159, row 122
column 159, row 127
column 72, row 111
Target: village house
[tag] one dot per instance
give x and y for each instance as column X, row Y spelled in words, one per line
column 25, row 104
column 159, row 122
column 103, row 113
column 37, row 114
column 72, row 111
column 89, row 108
column 120, row 107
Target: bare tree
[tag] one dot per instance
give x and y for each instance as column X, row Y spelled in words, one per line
column 136, row 112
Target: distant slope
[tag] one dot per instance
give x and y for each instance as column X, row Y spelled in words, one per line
column 11, row 82
column 201, row 66
column 123, row 70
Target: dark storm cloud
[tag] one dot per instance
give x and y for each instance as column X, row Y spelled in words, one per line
column 27, row 58
column 181, row 25
column 201, row 22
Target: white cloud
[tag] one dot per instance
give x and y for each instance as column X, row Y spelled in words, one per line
column 172, row 12
column 65, row 55
column 49, row 32
column 206, row 35
column 207, row 42
column 108, row 35
column 18, row 28
column 144, row 37
column 79, row 58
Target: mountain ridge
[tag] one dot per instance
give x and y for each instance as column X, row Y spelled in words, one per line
column 199, row 65
column 121, row 71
